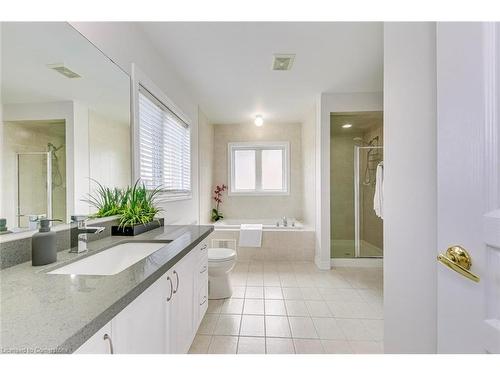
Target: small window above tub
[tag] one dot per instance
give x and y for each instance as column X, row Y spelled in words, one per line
column 259, row 168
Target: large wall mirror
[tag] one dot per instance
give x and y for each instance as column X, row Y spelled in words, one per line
column 65, row 122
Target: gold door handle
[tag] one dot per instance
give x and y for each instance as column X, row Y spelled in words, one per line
column 459, row 260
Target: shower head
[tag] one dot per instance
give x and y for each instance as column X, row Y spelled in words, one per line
column 53, row 148
column 362, row 141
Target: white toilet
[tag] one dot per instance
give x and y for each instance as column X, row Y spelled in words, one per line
column 220, row 264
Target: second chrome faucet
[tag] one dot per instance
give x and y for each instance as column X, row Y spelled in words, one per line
column 82, row 231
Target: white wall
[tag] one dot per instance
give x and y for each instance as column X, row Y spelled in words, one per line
column 309, row 168
column 328, row 103
column 261, row 206
column 410, row 187
column 206, row 152
column 125, row 43
column 109, row 151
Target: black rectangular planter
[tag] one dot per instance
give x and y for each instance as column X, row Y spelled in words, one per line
column 137, row 228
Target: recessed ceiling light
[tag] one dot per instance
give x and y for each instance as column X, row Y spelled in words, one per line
column 347, row 126
column 259, row 120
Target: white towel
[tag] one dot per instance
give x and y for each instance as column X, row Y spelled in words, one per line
column 250, row 235
column 378, row 197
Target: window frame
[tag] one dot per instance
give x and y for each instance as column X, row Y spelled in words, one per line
column 139, row 79
column 258, row 147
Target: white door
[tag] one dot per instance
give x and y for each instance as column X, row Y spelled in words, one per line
column 468, row 72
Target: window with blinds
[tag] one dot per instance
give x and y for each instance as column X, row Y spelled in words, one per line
column 164, row 147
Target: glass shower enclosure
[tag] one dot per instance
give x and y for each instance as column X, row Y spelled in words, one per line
column 34, row 185
column 368, row 227
column 356, row 150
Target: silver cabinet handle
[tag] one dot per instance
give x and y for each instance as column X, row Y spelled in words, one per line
column 107, row 337
column 204, row 300
column 203, row 247
column 203, row 269
column 177, row 277
column 171, row 288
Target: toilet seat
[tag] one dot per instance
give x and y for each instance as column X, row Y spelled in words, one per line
column 216, row 255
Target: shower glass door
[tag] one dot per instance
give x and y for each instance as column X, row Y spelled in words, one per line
column 34, row 185
column 368, row 236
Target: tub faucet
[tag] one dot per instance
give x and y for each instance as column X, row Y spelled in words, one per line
column 82, row 231
column 285, row 221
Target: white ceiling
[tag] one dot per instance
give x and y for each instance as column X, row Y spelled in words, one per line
column 27, row 48
column 228, row 65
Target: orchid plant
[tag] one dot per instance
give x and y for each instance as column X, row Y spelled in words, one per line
column 216, row 214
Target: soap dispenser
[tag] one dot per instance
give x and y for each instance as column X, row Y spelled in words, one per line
column 43, row 244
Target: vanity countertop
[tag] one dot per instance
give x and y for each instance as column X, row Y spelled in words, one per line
column 50, row 313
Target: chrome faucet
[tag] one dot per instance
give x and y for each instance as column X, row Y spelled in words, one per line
column 83, row 230
column 285, row 221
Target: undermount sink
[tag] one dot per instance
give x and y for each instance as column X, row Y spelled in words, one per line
column 111, row 261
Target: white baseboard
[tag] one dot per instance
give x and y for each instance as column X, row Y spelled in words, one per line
column 322, row 265
column 357, row 262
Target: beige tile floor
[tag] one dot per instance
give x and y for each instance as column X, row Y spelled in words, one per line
column 292, row 307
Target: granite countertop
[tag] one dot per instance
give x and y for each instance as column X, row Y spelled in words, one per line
column 42, row 313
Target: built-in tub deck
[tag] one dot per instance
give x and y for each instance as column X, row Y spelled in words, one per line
column 279, row 243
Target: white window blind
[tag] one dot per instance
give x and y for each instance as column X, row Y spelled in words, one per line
column 164, row 147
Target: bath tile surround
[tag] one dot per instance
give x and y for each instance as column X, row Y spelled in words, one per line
column 287, row 307
column 277, row 245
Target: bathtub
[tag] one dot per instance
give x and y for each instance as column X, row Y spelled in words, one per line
column 267, row 224
column 279, row 243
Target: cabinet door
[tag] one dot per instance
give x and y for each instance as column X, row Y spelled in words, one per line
column 99, row 343
column 140, row 327
column 167, row 313
column 182, row 327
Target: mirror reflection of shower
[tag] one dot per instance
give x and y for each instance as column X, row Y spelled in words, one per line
column 34, row 162
column 57, row 179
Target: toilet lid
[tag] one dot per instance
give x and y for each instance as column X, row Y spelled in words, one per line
column 220, row 254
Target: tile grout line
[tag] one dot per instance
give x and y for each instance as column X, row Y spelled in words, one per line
column 239, row 330
column 289, row 324
column 265, row 327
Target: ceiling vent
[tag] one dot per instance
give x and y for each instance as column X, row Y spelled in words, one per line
column 283, row 62
column 64, row 70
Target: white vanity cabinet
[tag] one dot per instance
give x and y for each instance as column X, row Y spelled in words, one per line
column 162, row 319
